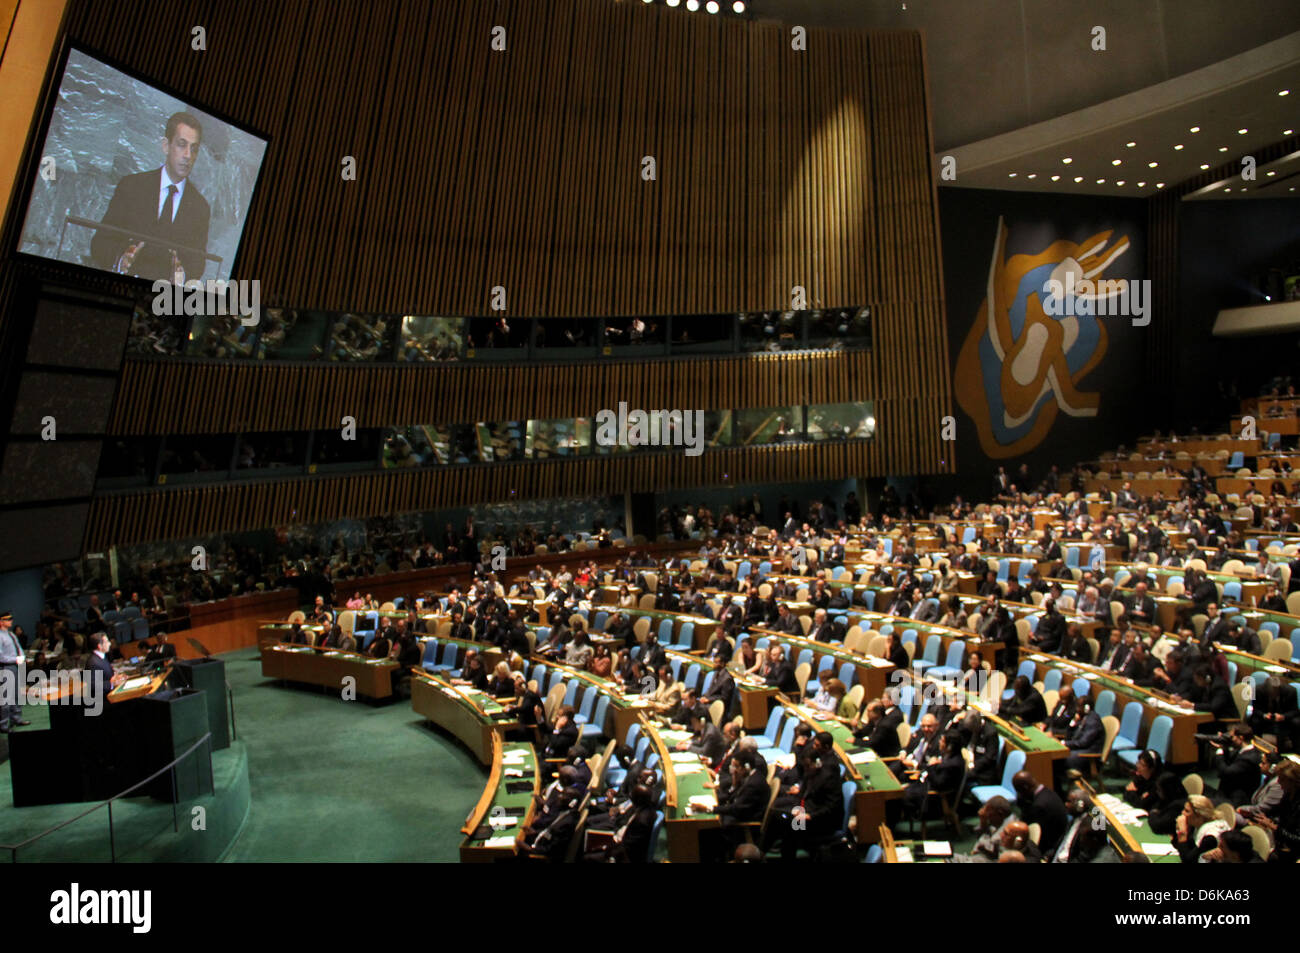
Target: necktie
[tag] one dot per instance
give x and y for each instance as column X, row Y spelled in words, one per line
column 169, row 205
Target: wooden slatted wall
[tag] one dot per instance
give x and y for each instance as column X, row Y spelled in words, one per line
column 775, row 168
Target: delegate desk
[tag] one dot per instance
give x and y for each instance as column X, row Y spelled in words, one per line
column 496, row 824
column 704, row 626
column 1129, row 831
column 876, row 784
column 624, row 709
column 1187, row 721
column 301, row 663
column 475, row 717
column 689, row 799
column 1041, row 749
column 873, row 674
column 1248, row 665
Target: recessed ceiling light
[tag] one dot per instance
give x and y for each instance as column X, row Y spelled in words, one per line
column 1032, row 175
column 1119, row 181
column 1141, row 184
column 1130, row 144
column 1227, row 190
column 1152, row 165
column 1195, row 129
column 1272, row 173
column 712, row 6
column 1204, row 166
column 1179, row 147
column 1011, row 175
column 1078, row 178
column 738, row 6
column 1067, row 160
column 1292, row 189
column 1056, row 178
column 1287, row 132
column 1284, row 92
column 1242, row 132
column 692, row 5
column 1101, row 181
column 1116, row 161
column 1160, row 185
column 1223, row 148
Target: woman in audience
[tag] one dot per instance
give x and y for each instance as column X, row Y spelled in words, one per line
column 954, row 616
column 623, row 667
column 473, row 672
column 972, row 679
column 1197, row 829
column 626, row 600
column 502, row 682
column 746, row 661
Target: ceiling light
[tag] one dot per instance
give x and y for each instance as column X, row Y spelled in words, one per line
column 1119, row 181
column 1101, row 181
column 1287, row 132
column 738, row 7
column 1078, row 178
column 1056, row 178
column 1160, row 185
column 1284, row 92
column 1204, row 166
column 1011, row 175
column 1067, row 160
column 1272, row 172
column 1141, row 184
column 1032, row 175
column 1242, row 132
column 1179, row 147
column 1152, row 165
column 1115, row 161
column 692, row 5
column 1227, row 190
column 1130, row 144
column 712, row 6
column 1223, row 148
column 1195, row 129
column 674, row 3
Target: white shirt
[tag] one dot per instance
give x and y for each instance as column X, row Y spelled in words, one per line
column 166, row 181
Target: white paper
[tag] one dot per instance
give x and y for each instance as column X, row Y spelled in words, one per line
column 937, row 848
column 863, row 757
column 1159, row 850
column 507, row 840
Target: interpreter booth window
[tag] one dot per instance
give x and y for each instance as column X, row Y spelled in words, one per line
column 852, row 421
column 637, row 335
column 357, row 338
column 565, row 338
column 719, row 428
column 501, row 441
column 289, row 335
column 497, row 339
column 156, row 335
column 195, row 458
column 771, row 331
column 220, row 337
column 127, row 461
column 768, row 425
column 419, row 445
column 262, row 453
column 548, row 439
column 839, row 328
column 703, row 333
column 331, row 451
column 432, row 339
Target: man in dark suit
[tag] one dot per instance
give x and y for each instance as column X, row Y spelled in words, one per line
column 99, row 670
column 1140, row 607
column 1026, row 704
column 164, row 216
column 1215, row 697
column 723, row 688
column 1083, row 736
column 780, row 672
column 161, row 650
column 1050, row 632
column 981, row 739
column 1216, row 626
column 707, row 740
column 880, row 731
column 1040, row 805
column 1058, row 721
column 1237, row 764
column 1140, row 667
column 942, row 776
column 743, row 801
column 787, row 622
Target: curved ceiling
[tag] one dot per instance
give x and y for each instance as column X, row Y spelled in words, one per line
column 1001, row 65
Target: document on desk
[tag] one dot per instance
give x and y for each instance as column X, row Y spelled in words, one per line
column 131, row 684
column 904, row 854
column 937, row 848
column 702, row 803
column 507, row 840
column 863, row 757
column 683, row 757
column 514, row 772
column 1158, row 850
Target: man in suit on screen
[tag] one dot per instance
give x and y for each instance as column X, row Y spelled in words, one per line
column 164, row 218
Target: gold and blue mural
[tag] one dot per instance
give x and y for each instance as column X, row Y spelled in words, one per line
column 1025, row 357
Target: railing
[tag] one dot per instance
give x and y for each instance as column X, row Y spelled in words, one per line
column 137, row 822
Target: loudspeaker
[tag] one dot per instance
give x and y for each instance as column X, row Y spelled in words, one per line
column 208, row 675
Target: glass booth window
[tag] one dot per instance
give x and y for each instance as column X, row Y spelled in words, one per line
column 854, row 421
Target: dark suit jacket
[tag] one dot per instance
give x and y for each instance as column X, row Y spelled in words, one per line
column 745, row 803
column 723, row 688
column 1087, row 736
column 782, row 677
column 1030, row 710
column 883, row 736
column 134, row 207
column 945, row 776
column 99, row 672
column 1046, row 810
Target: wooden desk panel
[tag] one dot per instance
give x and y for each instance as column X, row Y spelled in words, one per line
column 312, row 667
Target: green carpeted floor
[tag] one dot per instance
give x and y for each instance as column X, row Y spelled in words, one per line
column 345, row 781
